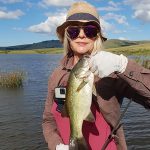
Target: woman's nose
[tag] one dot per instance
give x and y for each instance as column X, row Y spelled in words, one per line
column 82, row 34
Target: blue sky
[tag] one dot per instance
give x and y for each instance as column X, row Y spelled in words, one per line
column 31, row 21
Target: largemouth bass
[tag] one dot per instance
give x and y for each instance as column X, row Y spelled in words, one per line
column 78, row 101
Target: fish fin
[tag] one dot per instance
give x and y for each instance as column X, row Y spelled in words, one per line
column 94, row 90
column 82, row 145
column 82, row 84
column 78, row 144
column 90, row 117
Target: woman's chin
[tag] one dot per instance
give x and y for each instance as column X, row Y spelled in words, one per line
column 82, row 51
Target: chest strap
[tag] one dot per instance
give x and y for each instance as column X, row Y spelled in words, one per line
column 116, row 127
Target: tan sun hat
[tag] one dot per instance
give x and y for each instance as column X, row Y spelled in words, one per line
column 79, row 11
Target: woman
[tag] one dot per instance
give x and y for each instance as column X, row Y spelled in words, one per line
column 81, row 34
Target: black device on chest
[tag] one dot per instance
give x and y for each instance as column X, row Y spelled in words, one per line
column 60, row 96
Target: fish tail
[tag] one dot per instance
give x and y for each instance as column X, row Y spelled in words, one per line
column 82, row 145
column 78, row 144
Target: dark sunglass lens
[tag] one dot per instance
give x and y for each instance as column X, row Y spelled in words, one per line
column 73, row 32
column 90, row 31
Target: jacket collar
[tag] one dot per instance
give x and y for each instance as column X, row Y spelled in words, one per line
column 67, row 62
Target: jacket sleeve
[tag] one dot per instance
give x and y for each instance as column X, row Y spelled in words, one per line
column 138, row 79
column 110, row 107
column 50, row 130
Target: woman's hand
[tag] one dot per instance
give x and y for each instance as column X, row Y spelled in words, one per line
column 62, row 147
column 104, row 63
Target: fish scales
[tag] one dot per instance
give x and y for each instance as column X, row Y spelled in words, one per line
column 78, row 103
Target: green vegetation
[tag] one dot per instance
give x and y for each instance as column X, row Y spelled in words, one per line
column 116, row 46
column 114, row 43
column 140, row 49
column 39, row 45
column 146, row 64
column 143, row 62
column 11, row 79
column 34, row 51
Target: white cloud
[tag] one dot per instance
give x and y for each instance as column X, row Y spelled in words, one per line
column 11, row 14
column 118, row 18
column 142, row 15
column 106, row 26
column 46, row 3
column 10, row 1
column 54, row 20
column 43, row 27
column 122, row 38
column 57, row 12
column 119, row 31
column 49, row 26
column 115, row 4
column 141, row 9
column 29, row 4
column 111, row 7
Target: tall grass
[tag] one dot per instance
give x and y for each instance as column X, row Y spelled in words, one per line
column 11, row 79
column 144, row 62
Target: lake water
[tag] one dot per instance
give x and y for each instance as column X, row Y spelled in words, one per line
column 21, row 110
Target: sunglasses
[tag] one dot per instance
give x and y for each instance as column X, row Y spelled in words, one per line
column 90, row 31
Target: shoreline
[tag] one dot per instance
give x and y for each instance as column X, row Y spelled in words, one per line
column 120, row 50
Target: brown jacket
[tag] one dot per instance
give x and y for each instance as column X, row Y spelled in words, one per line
column 133, row 83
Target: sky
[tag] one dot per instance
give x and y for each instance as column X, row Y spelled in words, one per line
column 31, row 21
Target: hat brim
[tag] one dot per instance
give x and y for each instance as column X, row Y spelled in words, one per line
column 61, row 29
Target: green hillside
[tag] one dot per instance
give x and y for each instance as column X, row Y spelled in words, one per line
column 50, row 47
column 34, row 51
column 39, row 45
column 114, row 43
column 118, row 43
column 139, row 49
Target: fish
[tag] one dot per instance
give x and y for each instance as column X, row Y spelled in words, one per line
column 78, row 102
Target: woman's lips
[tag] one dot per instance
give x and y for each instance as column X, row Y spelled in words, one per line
column 82, row 43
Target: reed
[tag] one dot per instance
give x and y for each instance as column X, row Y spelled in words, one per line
column 144, row 62
column 11, row 79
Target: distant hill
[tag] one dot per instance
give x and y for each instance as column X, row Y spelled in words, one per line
column 112, row 43
column 39, row 45
column 115, row 43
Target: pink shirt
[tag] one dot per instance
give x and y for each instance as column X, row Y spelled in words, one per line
column 95, row 133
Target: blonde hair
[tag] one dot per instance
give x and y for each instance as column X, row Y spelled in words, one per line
column 98, row 44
